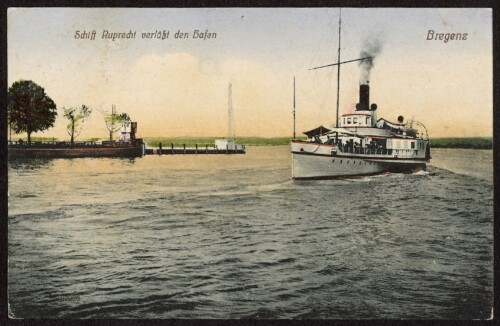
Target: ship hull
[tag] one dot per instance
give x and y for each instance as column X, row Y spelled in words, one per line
column 75, row 152
column 328, row 167
column 315, row 161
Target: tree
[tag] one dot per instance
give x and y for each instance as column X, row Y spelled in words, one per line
column 76, row 117
column 30, row 109
column 114, row 121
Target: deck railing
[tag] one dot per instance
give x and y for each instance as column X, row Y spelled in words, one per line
column 366, row 151
column 380, row 151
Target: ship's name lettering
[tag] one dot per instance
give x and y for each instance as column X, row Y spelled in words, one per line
column 113, row 36
column 445, row 37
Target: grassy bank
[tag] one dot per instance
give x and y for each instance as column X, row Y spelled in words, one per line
column 463, row 142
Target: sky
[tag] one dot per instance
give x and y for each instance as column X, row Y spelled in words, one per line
column 179, row 87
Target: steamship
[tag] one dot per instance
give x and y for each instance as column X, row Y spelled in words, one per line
column 360, row 144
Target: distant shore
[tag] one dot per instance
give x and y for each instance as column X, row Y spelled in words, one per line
column 448, row 142
column 463, row 142
column 451, row 142
column 210, row 141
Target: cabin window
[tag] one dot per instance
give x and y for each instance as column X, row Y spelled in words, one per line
column 367, row 120
column 354, row 120
column 348, row 121
column 413, row 145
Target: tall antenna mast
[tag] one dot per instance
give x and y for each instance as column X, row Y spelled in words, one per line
column 230, row 128
column 338, row 74
column 293, row 107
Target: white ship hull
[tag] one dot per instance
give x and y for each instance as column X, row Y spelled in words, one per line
column 316, row 161
column 319, row 167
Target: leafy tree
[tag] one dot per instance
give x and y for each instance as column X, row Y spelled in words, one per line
column 114, row 121
column 30, row 109
column 76, row 117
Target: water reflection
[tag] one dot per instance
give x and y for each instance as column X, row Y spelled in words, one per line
column 39, row 163
column 30, row 164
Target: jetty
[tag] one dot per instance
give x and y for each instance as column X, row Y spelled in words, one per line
column 41, row 149
column 53, row 149
column 197, row 149
column 222, row 146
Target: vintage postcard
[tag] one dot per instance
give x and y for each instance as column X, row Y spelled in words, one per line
column 262, row 163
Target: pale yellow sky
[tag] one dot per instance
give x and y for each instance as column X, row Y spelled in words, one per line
column 178, row 87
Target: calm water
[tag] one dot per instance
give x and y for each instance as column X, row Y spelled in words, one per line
column 220, row 236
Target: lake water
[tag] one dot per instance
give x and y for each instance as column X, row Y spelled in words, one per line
column 232, row 236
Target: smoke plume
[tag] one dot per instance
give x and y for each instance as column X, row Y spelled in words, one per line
column 372, row 46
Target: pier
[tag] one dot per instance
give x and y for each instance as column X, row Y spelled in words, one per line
column 53, row 149
column 203, row 149
column 136, row 148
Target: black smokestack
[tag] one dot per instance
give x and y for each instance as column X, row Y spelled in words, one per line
column 372, row 46
column 364, row 98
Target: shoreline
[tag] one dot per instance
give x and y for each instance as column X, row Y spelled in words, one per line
column 438, row 142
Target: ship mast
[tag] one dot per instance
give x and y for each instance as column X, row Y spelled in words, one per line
column 338, row 74
column 293, row 107
column 338, row 69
